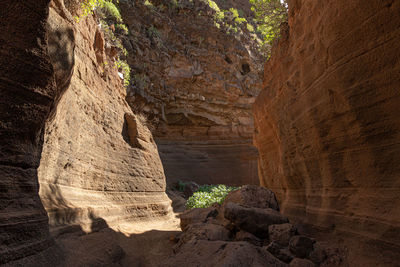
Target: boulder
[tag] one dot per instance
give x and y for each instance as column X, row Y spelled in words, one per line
column 203, row 231
column 190, row 188
column 297, row 262
column 197, row 215
column 253, row 196
column 301, row 246
column 318, row 255
column 281, row 233
column 248, row 237
column 222, row 253
column 253, row 220
column 280, row 252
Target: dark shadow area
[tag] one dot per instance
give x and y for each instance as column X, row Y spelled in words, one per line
column 226, row 162
column 28, row 94
column 105, row 247
column 61, row 49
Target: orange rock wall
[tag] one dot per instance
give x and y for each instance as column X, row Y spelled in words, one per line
column 328, row 118
column 99, row 160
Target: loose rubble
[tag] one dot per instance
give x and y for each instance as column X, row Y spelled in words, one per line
column 243, row 231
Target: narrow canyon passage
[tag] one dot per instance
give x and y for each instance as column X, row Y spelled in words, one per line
column 111, row 117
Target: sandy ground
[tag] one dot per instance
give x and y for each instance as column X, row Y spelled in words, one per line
column 145, row 243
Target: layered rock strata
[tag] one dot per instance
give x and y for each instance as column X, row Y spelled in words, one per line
column 196, row 83
column 27, row 92
column 327, row 122
column 99, row 160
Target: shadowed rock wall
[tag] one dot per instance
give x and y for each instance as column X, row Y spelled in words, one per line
column 328, row 119
column 93, row 158
column 197, row 82
column 27, row 91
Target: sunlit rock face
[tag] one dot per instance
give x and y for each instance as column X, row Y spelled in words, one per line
column 197, row 83
column 327, row 122
column 99, row 160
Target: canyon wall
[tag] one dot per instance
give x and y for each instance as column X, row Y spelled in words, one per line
column 64, row 123
column 196, row 82
column 99, row 160
column 327, row 122
column 27, row 92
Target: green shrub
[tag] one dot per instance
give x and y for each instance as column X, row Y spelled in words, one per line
column 153, row 32
column 269, row 15
column 180, row 186
column 106, row 6
column 207, row 195
column 122, row 66
column 123, row 28
column 250, row 27
column 111, row 10
column 88, row 7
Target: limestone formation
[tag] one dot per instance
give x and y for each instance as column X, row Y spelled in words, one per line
column 327, row 122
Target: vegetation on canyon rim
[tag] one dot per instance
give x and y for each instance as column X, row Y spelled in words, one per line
column 111, row 22
column 268, row 18
column 207, row 195
column 265, row 24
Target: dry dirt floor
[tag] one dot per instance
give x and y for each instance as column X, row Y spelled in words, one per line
column 143, row 243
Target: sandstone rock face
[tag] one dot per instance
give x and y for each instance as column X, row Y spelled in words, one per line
column 99, row 160
column 27, row 92
column 327, row 122
column 197, row 83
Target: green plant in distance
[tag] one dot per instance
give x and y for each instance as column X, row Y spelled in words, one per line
column 207, row 195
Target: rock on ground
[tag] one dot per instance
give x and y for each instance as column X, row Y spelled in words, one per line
column 253, row 220
column 253, row 196
column 220, row 253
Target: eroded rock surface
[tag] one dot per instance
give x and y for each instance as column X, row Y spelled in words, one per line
column 27, row 92
column 327, row 120
column 197, row 84
column 99, row 160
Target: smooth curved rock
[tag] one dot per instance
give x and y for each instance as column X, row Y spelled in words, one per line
column 99, row 160
column 327, row 120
